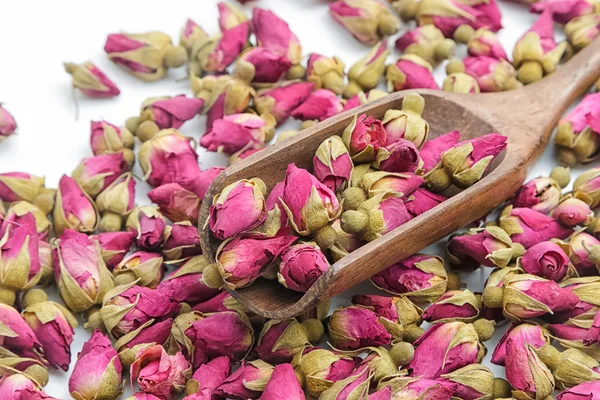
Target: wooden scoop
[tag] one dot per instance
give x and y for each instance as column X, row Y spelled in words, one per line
column 526, row 116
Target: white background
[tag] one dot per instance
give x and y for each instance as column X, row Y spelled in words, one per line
column 37, row 37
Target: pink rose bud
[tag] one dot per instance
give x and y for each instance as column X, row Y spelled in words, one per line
column 421, row 201
column 149, row 224
column 363, row 138
column 485, row 43
column 585, row 289
column 127, row 307
column 238, row 208
column 355, row 327
column 547, row 260
column 143, row 267
column 521, row 335
column 410, row 71
column 175, row 202
column 444, row 348
column 230, row 16
column 190, row 34
column 106, row 138
column 97, row 372
column 208, row 377
column 399, row 310
column 572, row 334
column 407, row 123
column 357, row 100
column 581, row 31
column 529, row 227
column 182, row 241
column 564, row 11
column 367, row 20
column 448, row 15
column 577, row 137
column 526, row 373
column 586, row 186
column 399, row 156
column 185, row 283
column 160, row 374
column 280, row 341
column 283, row 383
column 145, row 336
column 16, row 186
column 281, row 100
column 234, row 132
column 490, row 246
column 427, row 42
column 18, row 211
column 94, row 174
column 74, row 209
column 332, row 164
column 454, row 305
column 171, row 112
column 355, row 386
column 319, row 105
column 395, row 184
column 113, row 246
column 274, row 34
column 580, row 245
column 583, row 391
column 420, row 277
column 492, row 74
column 407, row 387
column 247, row 382
column 309, row 204
column 205, row 179
column 326, row 72
column 432, row 150
column 53, row 325
column 8, row 126
column 301, row 265
column 262, row 65
column 243, row 259
column 81, row 274
column 24, row 341
column 91, row 80
column 19, row 253
column 226, row 333
column 540, row 194
column 16, row 386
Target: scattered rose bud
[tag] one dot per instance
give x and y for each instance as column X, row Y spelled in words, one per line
column 490, row 246
column 230, row 16
column 574, row 334
column 526, row 373
column 208, row 377
column 520, row 335
column 182, row 241
column 223, row 95
column 587, row 307
column 547, row 260
column 580, row 245
column 281, row 100
column 175, row 202
column 586, row 186
column 399, row 156
column 355, row 386
column 355, row 327
column 16, row 186
column 18, row 211
column 460, row 82
column 326, row 73
column 492, row 74
column 274, row 33
column 280, row 341
column 158, row 373
column 474, row 381
column 332, row 164
column 407, row 123
column 582, row 391
column 580, row 31
column 190, row 34
column 116, row 202
column 19, row 337
column 484, row 42
column 301, row 266
column 345, row 242
column 572, row 211
column 147, row 335
column 113, row 246
column 367, row 20
column 410, row 72
column 403, row 386
column 564, row 12
column 74, row 209
column 149, row 224
column 233, row 132
column 170, row 112
column 363, row 137
column 448, row 15
column 427, row 42
column 400, row 184
column 185, row 284
column 496, row 280
column 399, row 310
column 540, row 194
column 106, row 138
column 17, row 386
column 578, row 137
column 283, row 383
column 143, row 267
column 247, row 382
column 319, row 105
column 8, row 125
column 366, row 73
column 454, row 305
column 91, row 80
column 569, row 368
column 262, row 65
column 529, row 227
column 94, row 174
column 421, row 201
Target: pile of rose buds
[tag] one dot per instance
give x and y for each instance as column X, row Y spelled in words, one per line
column 135, row 274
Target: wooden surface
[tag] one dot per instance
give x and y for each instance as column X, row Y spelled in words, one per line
column 526, row 116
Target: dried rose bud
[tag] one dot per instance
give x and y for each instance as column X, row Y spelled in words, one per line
column 448, row 15
column 319, row 105
column 527, row 374
column 363, row 137
column 309, row 204
column 238, row 208
column 444, row 348
column 91, row 80
column 74, row 208
column 454, row 305
column 247, row 382
column 490, row 246
column 400, row 184
column 20, row 386
column 158, row 373
column 113, row 246
column 191, row 33
column 586, row 186
column 280, row 341
column 116, row 202
column 274, row 33
column 81, row 274
column 407, row 387
column 16, row 186
column 460, row 82
column 492, row 74
column 262, row 65
column 345, row 243
column 585, row 289
column 234, row 132
column 332, row 164
column 301, row 266
column 208, row 377
column 366, row 73
column 407, row 123
column 573, row 334
column 283, row 383
column 410, row 71
column 474, row 382
column 19, row 337
column 571, row 367
column 399, row 310
column 170, row 112
column 580, row 248
column 106, row 138
column 582, row 30
column 431, row 154
column 420, row 277
column 281, row 100
column 185, row 284
column 18, row 210
column 175, row 202
column 399, row 156
column 536, row 53
column 484, row 42
column 355, row 327
column 520, row 335
column 577, row 136
column 421, row 201
column 53, row 325
column 127, row 307
column 355, row 386
column 547, row 260
column 357, row 100
column 146, row 335
column 540, row 194
column 146, row 56
column 97, row 372
column 496, row 279
column 529, row 227
column 230, row 16
column 564, row 12
column 8, row 126
column 573, row 211
column 149, row 224
column 326, row 73
column 367, row 20
column 182, row 241
column 427, row 42
column 586, row 390
column 242, row 260
column 143, row 267
column 94, row 174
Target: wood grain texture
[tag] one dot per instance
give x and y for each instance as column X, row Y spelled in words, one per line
column 526, row 116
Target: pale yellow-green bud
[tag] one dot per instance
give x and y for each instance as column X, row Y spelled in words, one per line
column 412, row 333
column 211, row 276
column 146, row 130
column 307, row 124
column 354, row 221
column 184, row 309
column 530, row 71
column 464, row 33
column 493, row 296
column 445, row 49
column 455, row 65
column 567, row 157
column 110, row 222
column 549, row 355
column 502, row 389
column 175, row 56
column 561, row 175
column 402, row 353
column 453, row 282
column 286, row 135
column 484, row 328
column 325, row 237
column 407, row 9
column 512, row 83
column 296, row 72
column 352, row 88
column 388, row 24
column 413, row 102
column 45, row 200
column 33, row 296
column 459, row 82
column 7, row 295
column 94, row 320
column 314, row 330
column 124, row 278
column 438, row 180
column 38, row 374
column 132, row 124
column 353, row 197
